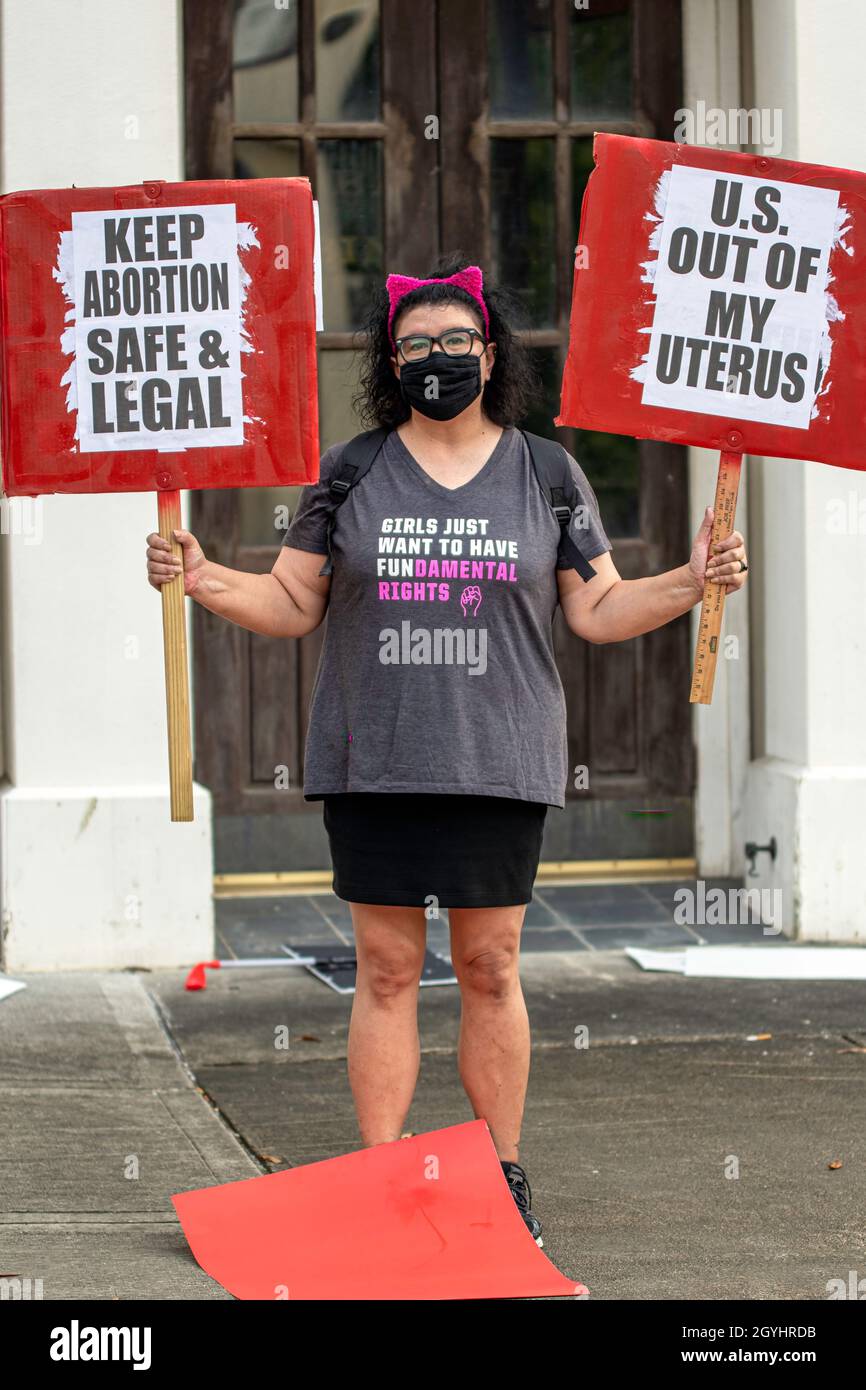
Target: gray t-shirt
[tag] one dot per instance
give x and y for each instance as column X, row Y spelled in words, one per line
column 437, row 671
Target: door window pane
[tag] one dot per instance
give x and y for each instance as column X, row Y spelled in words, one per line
column 267, row 159
column 338, row 382
column 263, row 511
column 349, row 190
column 601, row 62
column 522, row 223
column 581, row 168
column 265, row 61
column 520, row 63
column 347, row 60
column 545, row 405
column 610, row 462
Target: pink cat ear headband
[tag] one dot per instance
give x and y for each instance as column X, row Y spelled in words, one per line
column 470, row 280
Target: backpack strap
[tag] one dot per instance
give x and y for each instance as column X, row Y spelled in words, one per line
column 355, row 461
column 555, row 478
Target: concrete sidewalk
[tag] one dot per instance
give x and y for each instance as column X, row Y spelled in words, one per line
column 91, row 1093
column 627, row 1142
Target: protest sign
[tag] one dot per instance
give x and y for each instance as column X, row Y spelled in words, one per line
column 160, row 337
column 719, row 300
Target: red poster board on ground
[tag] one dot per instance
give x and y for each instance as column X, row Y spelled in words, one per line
column 720, row 300
column 158, row 337
column 428, row 1217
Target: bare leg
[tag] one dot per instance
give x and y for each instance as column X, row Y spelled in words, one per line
column 384, row 1051
column 493, row 1053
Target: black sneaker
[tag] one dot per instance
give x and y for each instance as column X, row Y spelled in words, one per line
column 520, row 1191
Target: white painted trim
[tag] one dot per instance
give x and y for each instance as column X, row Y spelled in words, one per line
column 721, row 731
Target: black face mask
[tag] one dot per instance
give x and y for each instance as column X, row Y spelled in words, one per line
column 456, row 383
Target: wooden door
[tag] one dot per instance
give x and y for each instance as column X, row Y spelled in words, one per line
column 427, row 127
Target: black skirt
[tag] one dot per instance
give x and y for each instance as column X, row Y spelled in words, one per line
column 406, row 849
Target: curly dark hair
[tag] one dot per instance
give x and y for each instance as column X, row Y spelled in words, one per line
column 513, row 380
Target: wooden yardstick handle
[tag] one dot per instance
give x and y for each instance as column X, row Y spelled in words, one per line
column 713, row 605
column 176, row 672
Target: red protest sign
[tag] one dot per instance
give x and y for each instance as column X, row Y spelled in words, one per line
column 719, row 300
column 374, row 1224
column 159, row 337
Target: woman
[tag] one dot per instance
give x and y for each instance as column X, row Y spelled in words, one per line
column 437, row 725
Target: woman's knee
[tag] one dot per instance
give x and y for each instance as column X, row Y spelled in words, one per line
column 388, row 976
column 491, row 971
column 390, row 944
column 389, row 968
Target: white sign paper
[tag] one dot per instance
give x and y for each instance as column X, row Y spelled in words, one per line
column 317, row 272
column 741, row 320
column 157, row 305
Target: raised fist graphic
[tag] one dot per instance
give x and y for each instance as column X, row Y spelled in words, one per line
column 471, row 599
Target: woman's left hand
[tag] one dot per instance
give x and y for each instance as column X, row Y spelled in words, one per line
column 725, row 564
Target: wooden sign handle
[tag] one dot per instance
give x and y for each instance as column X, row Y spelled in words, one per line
column 713, row 605
column 176, row 672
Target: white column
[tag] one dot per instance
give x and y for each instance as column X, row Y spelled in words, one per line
column 711, row 59
column 807, row 785
column 92, row 871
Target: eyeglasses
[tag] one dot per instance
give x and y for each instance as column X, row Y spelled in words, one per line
column 456, row 342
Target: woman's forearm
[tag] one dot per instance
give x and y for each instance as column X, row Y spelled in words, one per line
column 633, row 606
column 257, row 602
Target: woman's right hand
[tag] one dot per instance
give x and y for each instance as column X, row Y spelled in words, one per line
column 162, row 566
